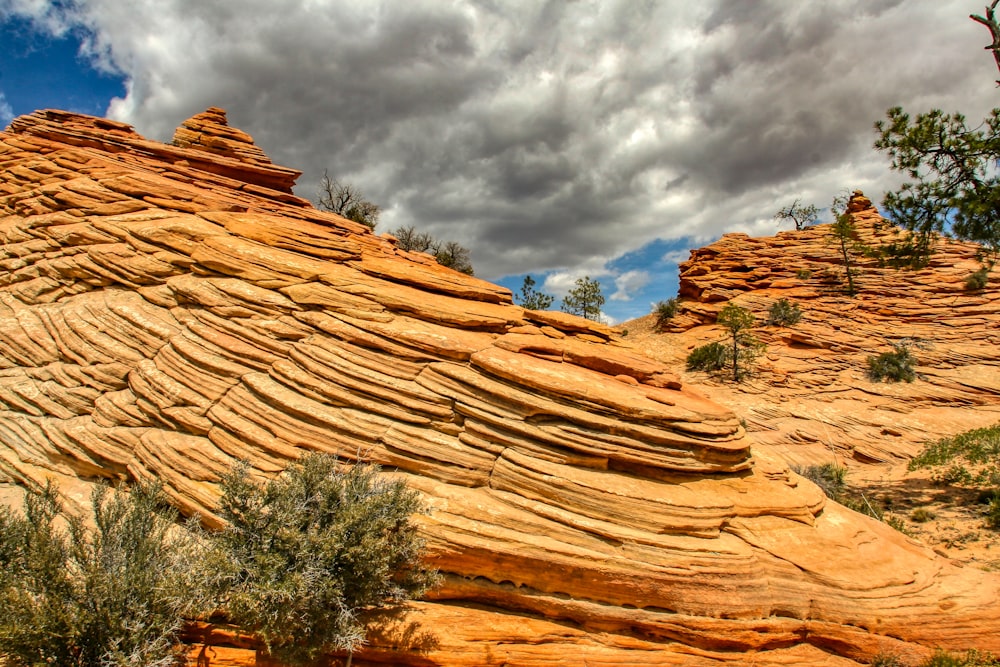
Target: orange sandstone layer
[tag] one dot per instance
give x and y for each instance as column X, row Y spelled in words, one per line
column 811, row 400
column 168, row 310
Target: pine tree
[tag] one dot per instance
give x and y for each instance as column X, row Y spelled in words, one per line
column 585, row 299
column 532, row 299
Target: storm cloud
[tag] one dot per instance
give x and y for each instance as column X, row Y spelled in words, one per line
column 550, row 136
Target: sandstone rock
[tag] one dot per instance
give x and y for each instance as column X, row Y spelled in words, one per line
column 167, row 310
column 811, row 400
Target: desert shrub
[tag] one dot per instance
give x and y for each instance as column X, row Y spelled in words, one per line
column 784, row 313
column 305, row 555
column 665, row 311
column 829, row 477
column 803, row 274
column 977, row 280
column 993, row 513
column 971, row 658
column 710, row 357
column 978, row 449
column 895, row 366
column 922, row 515
column 113, row 595
column 887, row 660
column 832, row 480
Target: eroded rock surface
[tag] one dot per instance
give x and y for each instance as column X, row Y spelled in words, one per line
column 168, row 310
column 811, row 400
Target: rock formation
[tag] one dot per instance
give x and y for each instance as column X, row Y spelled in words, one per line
column 811, row 399
column 168, row 310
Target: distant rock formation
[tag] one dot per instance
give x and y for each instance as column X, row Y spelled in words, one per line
column 811, row 399
column 168, row 310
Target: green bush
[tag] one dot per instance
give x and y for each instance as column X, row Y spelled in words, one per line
column 829, row 477
column 114, row 595
column 710, row 357
column 895, row 366
column 302, row 557
column 922, row 515
column 803, row 274
column 784, row 313
column 665, row 311
column 977, row 280
column 952, row 457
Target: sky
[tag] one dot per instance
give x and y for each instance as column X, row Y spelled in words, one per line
column 560, row 139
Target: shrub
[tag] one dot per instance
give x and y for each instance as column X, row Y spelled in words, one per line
column 922, row 515
column 112, row 595
column 304, row 555
column 710, row 357
column 977, row 280
column 895, row 366
column 803, row 274
column 978, row 449
column 665, row 311
column 784, row 313
column 887, row 660
column 829, row 477
column 993, row 513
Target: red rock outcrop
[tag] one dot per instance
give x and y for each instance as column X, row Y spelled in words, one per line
column 167, row 310
column 811, row 399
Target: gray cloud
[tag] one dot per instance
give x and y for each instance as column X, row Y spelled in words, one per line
column 552, row 135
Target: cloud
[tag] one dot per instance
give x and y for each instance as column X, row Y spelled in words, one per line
column 6, row 113
column 628, row 283
column 551, row 136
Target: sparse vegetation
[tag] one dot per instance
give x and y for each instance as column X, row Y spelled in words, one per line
column 803, row 274
column 887, row 660
column 972, row 658
column 304, row 563
column 971, row 459
column 744, row 348
column 346, row 200
column 922, row 515
column 665, row 311
column 585, row 299
column 800, row 216
column 784, row 313
column 709, row 358
column 447, row 253
column 977, row 280
column 832, row 480
column 533, row 299
column 845, row 234
column 111, row 595
column 302, row 557
column 895, row 366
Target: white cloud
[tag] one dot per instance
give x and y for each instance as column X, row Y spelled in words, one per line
column 6, row 113
column 676, row 256
column 551, row 136
column 628, row 283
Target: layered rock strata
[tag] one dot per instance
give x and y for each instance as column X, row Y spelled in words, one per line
column 168, row 310
column 811, row 399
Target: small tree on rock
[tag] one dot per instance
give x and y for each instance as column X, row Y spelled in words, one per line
column 532, row 299
column 845, row 235
column 744, row 347
column 346, row 200
column 585, row 299
column 800, row 216
column 454, row 256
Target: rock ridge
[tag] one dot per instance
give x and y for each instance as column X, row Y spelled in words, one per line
column 168, row 310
